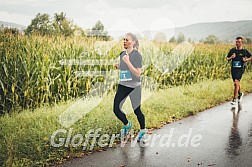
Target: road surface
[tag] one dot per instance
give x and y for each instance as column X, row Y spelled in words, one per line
column 218, row 136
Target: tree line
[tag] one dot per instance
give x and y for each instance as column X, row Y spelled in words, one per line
column 210, row 39
column 59, row 24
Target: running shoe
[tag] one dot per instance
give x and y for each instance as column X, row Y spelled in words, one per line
column 141, row 134
column 240, row 96
column 233, row 101
column 125, row 129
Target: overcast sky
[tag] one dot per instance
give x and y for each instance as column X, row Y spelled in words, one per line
column 130, row 15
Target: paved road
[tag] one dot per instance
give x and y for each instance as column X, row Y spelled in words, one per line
column 219, row 137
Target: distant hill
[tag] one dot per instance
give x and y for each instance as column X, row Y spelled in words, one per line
column 12, row 25
column 226, row 30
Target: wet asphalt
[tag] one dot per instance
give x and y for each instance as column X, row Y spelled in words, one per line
column 220, row 137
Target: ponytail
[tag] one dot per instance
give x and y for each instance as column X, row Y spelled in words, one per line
column 134, row 38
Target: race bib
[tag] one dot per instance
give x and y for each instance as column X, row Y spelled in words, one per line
column 125, row 75
column 237, row 64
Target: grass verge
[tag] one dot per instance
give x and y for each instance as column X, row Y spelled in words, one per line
column 25, row 137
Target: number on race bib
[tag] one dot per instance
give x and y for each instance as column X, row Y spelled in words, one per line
column 125, row 75
column 237, row 64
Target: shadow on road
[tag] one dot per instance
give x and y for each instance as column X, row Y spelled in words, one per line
column 235, row 140
column 127, row 155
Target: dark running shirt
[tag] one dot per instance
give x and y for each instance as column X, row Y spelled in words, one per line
column 237, row 62
column 136, row 60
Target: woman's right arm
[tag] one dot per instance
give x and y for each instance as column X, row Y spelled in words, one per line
column 117, row 66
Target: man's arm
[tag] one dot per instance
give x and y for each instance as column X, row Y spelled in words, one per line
column 231, row 57
column 248, row 57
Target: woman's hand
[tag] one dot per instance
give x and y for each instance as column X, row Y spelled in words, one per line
column 117, row 66
column 126, row 59
column 135, row 71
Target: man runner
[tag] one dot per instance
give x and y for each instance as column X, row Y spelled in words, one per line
column 239, row 57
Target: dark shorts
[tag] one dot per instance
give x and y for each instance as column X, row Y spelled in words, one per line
column 237, row 73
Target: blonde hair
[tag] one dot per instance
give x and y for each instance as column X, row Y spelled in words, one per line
column 135, row 39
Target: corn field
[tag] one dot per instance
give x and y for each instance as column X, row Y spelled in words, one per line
column 35, row 70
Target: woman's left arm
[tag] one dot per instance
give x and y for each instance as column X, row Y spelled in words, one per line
column 135, row 71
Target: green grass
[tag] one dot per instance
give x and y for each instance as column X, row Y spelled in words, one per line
column 25, row 136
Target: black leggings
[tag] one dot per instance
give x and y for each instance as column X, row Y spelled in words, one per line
column 135, row 97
